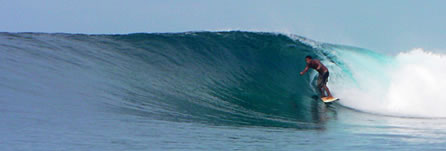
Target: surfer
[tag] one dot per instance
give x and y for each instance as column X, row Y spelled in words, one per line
column 323, row 75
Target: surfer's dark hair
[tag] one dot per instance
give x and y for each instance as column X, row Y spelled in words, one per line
column 308, row 57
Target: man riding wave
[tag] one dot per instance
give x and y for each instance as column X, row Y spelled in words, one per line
column 323, row 75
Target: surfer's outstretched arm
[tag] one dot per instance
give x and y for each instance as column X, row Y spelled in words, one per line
column 305, row 70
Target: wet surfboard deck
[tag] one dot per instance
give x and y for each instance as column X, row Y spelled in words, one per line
column 329, row 99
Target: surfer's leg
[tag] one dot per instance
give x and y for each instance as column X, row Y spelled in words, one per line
column 320, row 82
column 321, row 89
column 324, row 84
column 328, row 91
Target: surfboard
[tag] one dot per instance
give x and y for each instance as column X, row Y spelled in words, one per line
column 329, row 99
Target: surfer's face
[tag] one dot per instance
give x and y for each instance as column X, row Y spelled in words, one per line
column 307, row 60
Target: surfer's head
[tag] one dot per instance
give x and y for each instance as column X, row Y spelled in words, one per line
column 308, row 59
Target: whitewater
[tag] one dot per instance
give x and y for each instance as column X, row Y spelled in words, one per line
column 410, row 85
column 231, row 90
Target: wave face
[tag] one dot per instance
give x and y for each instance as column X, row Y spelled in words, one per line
column 236, row 78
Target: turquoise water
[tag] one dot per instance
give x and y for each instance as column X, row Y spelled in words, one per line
column 202, row 91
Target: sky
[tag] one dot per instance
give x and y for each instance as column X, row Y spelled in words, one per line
column 381, row 25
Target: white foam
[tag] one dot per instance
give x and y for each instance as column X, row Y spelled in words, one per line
column 412, row 84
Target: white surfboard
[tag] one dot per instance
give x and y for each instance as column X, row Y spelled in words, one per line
column 329, row 99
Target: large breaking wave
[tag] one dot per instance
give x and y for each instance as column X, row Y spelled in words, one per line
column 213, row 77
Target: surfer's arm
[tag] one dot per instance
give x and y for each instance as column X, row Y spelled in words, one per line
column 305, row 70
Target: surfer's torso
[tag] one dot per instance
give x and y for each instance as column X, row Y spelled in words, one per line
column 314, row 63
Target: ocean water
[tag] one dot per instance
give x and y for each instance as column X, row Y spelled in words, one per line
column 213, row 91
